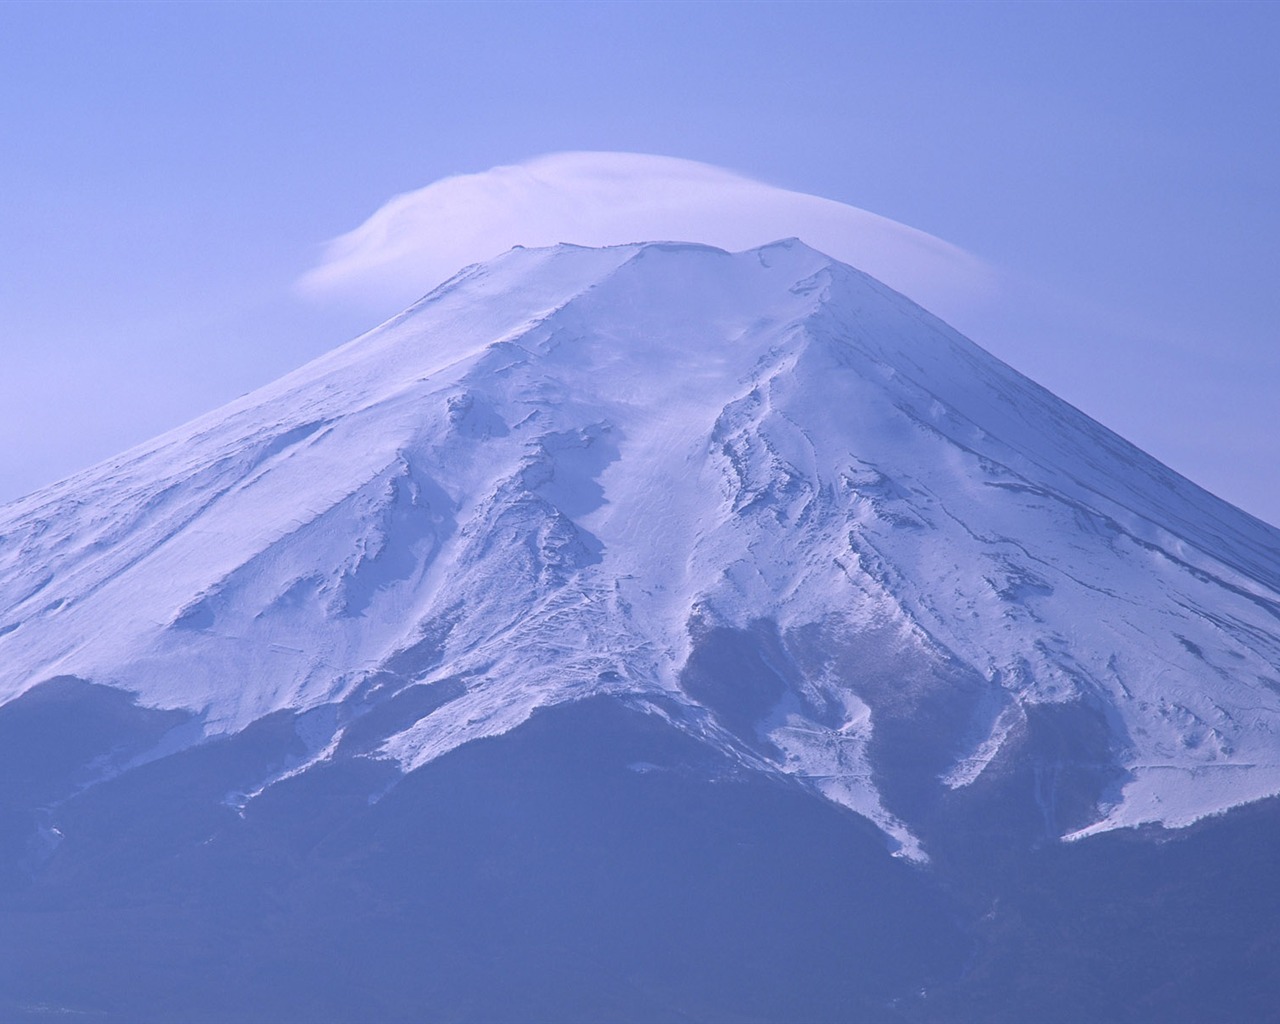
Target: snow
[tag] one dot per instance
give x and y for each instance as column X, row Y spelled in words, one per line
column 537, row 478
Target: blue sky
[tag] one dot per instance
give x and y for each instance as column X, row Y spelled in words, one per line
column 170, row 172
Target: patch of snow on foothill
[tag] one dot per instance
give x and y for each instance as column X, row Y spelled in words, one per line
column 528, row 486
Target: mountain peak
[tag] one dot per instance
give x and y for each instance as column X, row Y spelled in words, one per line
column 759, row 495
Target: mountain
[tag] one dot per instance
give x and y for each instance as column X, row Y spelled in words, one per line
column 599, row 638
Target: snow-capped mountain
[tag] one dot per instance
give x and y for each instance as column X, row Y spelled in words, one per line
column 759, row 496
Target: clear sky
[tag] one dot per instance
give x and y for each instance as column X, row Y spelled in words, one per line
column 170, row 171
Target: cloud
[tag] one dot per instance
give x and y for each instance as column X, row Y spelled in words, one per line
column 421, row 238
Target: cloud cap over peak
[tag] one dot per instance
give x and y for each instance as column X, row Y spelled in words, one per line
column 421, row 238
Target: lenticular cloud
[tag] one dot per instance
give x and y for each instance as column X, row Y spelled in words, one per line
column 421, row 238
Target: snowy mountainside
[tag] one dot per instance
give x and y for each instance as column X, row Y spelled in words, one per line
column 577, row 471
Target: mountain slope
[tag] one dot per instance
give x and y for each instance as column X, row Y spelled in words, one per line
column 759, row 496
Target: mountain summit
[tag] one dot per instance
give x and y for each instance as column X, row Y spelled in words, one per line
column 758, row 495
column 644, row 633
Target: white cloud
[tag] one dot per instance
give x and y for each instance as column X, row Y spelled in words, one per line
column 421, row 238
